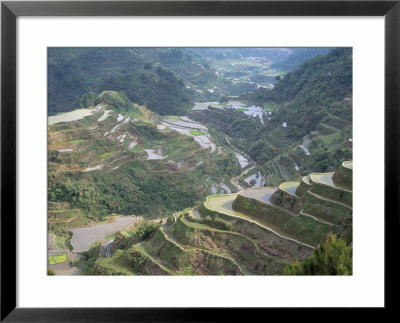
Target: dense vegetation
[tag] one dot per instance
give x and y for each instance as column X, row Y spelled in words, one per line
column 159, row 90
column 331, row 257
column 74, row 72
column 314, row 92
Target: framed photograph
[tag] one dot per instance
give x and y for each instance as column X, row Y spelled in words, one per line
column 162, row 159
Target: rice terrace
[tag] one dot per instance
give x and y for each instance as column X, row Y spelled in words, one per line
column 200, row 161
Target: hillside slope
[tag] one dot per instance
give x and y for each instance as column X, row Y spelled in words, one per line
column 118, row 158
column 306, row 120
column 255, row 232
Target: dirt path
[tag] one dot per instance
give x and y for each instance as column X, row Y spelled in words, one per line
column 329, row 200
column 316, row 219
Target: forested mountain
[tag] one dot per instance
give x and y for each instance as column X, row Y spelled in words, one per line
column 79, row 71
column 153, row 76
column 320, row 89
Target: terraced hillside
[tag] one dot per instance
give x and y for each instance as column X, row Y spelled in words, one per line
column 302, row 124
column 120, row 158
column 254, row 232
column 170, row 166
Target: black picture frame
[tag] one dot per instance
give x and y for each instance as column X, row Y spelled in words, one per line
column 10, row 10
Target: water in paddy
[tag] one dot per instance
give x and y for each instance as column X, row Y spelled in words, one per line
column 222, row 203
column 267, row 198
column 226, row 188
column 89, row 169
column 196, row 214
column 65, row 150
column 106, row 249
column 72, row 115
column 104, row 116
column 83, row 238
column 348, row 164
column 242, row 160
column 223, row 188
column 306, row 144
column 253, row 111
column 261, row 194
column 324, row 178
column 256, row 179
column 204, row 105
column 228, row 205
column 152, row 155
column 291, row 189
column 184, row 126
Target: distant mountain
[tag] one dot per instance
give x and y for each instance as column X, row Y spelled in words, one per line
column 73, row 72
column 298, row 56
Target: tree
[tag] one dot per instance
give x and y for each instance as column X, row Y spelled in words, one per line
column 88, row 100
column 277, row 77
column 188, row 271
column 332, row 257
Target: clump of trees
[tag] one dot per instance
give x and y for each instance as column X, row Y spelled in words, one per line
column 332, row 257
column 88, row 100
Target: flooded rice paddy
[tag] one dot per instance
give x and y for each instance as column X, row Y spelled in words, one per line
column 348, row 164
column 72, row 115
column 104, row 116
column 106, row 249
column 306, row 145
column 290, row 187
column 153, row 155
column 65, row 150
column 261, row 194
column 241, row 159
column 255, row 180
column 198, row 106
column 223, row 204
column 220, row 189
column 83, row 238
column 196, row 214
column 89, row 169
column 185, row 126
column 252, row 111
column 325, row 178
